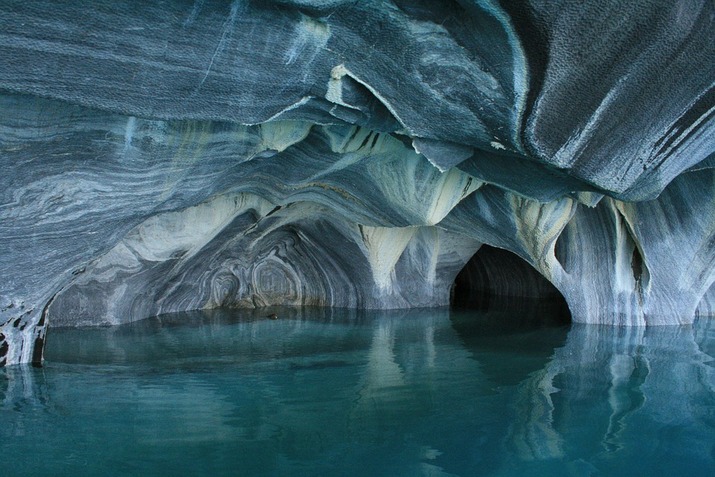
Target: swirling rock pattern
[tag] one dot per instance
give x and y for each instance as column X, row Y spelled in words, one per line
column 183, row 154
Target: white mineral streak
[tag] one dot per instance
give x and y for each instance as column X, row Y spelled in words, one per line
column 452, row 187
column 224, row 38
column 334, row 93
column 186, row 232
column 129, row 133
column 310, row 37
column 382, row 373
column 384, row 247
column 403, row 176
column 519, row 67
column 533, row 434
column 280, row 135
column 538, row 227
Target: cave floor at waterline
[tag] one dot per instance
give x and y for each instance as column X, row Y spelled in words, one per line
column 336, row 392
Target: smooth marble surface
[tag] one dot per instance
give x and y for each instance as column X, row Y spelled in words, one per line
column 181, row 155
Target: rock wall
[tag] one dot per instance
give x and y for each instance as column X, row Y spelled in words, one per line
column 181, row 155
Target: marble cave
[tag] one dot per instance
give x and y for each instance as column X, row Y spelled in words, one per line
column 176, row 155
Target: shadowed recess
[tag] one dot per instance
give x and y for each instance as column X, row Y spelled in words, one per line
column 497, row 281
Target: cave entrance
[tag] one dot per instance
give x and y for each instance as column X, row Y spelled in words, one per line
column 501, row 306
column 506, row 288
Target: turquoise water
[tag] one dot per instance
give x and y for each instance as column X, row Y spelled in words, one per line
column 334, row 392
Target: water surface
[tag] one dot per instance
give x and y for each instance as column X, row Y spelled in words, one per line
column 336, row 392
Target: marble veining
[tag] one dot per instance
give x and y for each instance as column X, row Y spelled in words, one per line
column 183, row 155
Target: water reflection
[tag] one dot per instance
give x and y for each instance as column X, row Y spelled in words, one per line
column 23, row 388
column 495, row 337
column 514, row 346
column 637, row 393
column 335, row 392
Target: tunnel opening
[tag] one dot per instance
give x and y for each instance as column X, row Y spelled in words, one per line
column 501, row 304
column 504, row 287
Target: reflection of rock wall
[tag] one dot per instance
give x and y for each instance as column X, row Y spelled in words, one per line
column 633, row 373
column 617, row 395
column 191, row 155
column 406, row 384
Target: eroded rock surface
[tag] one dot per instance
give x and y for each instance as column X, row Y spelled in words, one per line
column 182, row 155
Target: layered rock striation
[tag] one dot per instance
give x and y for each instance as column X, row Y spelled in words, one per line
column 182, row 155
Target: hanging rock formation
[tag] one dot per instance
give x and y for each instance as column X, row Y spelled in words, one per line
column 181, row 155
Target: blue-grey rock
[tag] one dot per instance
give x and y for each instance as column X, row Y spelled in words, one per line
column 706, row 307
column 181, row 155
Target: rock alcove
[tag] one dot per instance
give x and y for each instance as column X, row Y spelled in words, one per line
column 180, row 155
column 496, row 280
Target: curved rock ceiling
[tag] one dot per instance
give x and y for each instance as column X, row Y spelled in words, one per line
column 175, row 155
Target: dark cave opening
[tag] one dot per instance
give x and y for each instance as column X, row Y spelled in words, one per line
column 499, row 283
column 501, row 304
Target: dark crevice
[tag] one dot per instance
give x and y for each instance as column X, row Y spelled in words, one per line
column 699, row 114
column 639, row 267
column 38, row 352
column 375, row 137
column 275, row 209
column 560, row 247
column 558, row 251
column 637, row 264
column 3, row 346
column 365, row 141
column 498, row 281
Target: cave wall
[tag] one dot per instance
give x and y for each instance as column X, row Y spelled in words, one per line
column 185, row 154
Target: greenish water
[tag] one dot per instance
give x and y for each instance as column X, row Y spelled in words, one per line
column 334, row 392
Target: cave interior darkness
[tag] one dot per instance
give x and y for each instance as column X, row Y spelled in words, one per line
column 505, row 289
